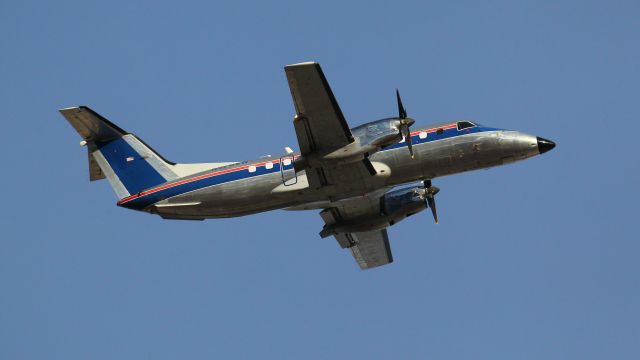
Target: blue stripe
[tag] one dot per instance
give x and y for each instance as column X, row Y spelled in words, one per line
column 136, row 174
column 433, row 136
column 144, row 201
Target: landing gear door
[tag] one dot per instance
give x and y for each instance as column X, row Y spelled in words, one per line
column 289, row 176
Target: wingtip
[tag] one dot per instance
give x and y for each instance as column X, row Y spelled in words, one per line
column 69, row 108
column 78, row 107
column 306, row 63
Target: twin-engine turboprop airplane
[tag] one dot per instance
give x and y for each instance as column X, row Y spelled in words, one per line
column 347, row 173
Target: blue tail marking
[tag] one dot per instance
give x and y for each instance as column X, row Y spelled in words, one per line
column 135, row 173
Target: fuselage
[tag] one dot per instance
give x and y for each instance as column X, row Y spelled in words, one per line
column 271, row 183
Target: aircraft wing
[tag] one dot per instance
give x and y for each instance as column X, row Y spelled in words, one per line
column 369, row 248
column 321, row 129
column 372, row 248
column 320, row 126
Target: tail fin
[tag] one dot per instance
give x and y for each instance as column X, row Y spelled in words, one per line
column 126, row 161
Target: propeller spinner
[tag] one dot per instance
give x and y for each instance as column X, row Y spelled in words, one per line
column 405, row 122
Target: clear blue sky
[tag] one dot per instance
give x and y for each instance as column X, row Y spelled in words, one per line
column 537, row 260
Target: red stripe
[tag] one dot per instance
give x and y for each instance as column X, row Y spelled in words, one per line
column 196, row 178
column 446, row 127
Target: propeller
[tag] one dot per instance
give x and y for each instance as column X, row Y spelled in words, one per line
column 430, row 192
column 405, row 122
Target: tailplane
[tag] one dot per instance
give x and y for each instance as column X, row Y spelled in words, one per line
column 122, row 158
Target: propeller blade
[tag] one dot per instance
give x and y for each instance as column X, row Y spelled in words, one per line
column 405, row 122
column 430, row 198
column 402, row 113
column 404, row 129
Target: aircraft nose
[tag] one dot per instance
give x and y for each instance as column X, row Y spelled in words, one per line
column 545, row 145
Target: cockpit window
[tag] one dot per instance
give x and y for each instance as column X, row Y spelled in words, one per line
column 465, row 125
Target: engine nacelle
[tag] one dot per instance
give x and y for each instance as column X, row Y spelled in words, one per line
column 395, row 206
column 368, row 139
column 399, row 204
column 379, row 133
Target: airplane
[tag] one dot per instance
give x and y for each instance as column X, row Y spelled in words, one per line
column 350, row 174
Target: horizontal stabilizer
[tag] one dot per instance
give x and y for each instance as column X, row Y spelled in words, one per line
column 90, row 125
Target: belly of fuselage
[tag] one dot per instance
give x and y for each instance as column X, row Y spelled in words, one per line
column 235, row 198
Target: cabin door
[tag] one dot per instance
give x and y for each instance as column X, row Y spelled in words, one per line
column 289, row 176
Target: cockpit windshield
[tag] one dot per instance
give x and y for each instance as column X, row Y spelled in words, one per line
column 465, row 125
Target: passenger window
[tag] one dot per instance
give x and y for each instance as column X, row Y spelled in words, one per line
column 269, row 165
column 440, row 131
column 423, row 135
column 252, row 168
column 465, row 125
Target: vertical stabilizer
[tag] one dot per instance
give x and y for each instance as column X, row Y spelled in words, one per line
column 126, row 161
